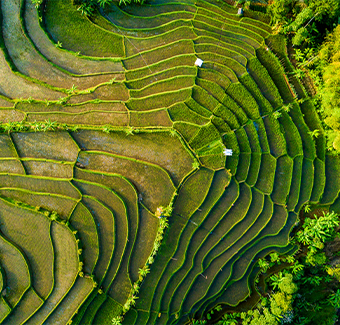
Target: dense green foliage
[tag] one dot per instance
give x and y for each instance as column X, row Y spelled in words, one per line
column 305, row 291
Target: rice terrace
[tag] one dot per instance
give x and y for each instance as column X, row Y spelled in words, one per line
column 153, row 157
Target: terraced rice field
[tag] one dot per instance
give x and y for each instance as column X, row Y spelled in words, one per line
column 138, row 126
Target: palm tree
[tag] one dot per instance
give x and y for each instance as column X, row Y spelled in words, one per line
column 315, row 133
column 263, row 264
column 102, row 3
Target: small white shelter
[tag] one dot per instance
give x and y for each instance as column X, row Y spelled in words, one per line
column 198, row 62
column 228, row 152
column 240, row 11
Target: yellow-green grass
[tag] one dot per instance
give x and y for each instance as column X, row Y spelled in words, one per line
column 31, row 64
column 198, row 108
column 276, row 72
column 64, row 59
column 283, row 177
column 237, row 68
column 265, row 180
column 259, row 24
column 275, row 137
column 187, row 130
column 215, row 76
column 213, row 271
column 227, row 23
column 11, row 166
column 46, row 145
column 150, row 119
column 204, row 23
column 127, row 192
column 167, row 51
column 105, row 223
column 8, row 115
column 243, row 167
column 181, row 61
column 204, row 47
column 95, row 72
column 91, row 310
column 113, row 90
column 188, row 201
column 254, row 168
column 262, row 136
column 243, row 261
column 89, row 104
column 223, row 43
column 53, row 169
column 204, row 97
column 170, row 84
column 235, row 108
column 65, row 271
column 115, row 204
column 336, row 205
column 5, row 309
column 279, row 230
column 240, row 290
column 96, row 118
column 14, row 86
column 82, row 220
column 261, row 223
column 150, row 10
column 116, row 20
column 146, row 19
column 278, row 44
column 53, row 202
column 218, row 227
column 264, row 105
column 275, row 163
column 130, row 317
column 27, row 306
column 236, row 31
column 227, row 41
column 142, row 317
column 220, row 180
column 159, row 100
column 215, row 92
column 319, row 181
column 295, row 186
column 147, row 229
column 159, row 148
column 158, row 76
column 17, row 274
column 253, row 137
column 332, row 187
column 207, row 135
column 261, row 77
column 244, row 98
column 227, row 115
column 40, row 184
column 313, row 122
column 76, row 33
column 243, row 142
column 220, row 7
column 181, row 112
column 7, row 146
column 236, row 234
column 134, row 45
column 17, row 223
column 292, row 136
column 71, row 302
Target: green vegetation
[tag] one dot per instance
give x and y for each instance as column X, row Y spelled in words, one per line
column 138, row 187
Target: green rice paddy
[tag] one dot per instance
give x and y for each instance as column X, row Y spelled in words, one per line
column 136, row 127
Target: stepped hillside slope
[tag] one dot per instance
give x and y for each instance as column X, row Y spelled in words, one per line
column 106, row 122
